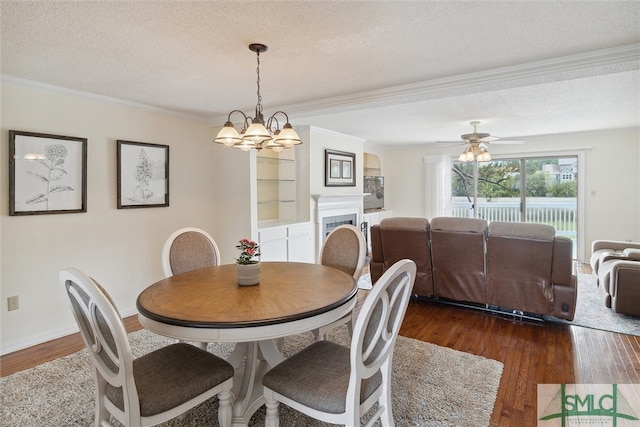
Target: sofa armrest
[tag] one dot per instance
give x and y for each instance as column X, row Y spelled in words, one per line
column 563, row 278
column 632, row 254
column 565, row 298
column 562, row 268
column 624, row 287
column 615, row 245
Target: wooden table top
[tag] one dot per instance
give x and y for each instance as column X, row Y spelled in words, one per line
column 211, row 298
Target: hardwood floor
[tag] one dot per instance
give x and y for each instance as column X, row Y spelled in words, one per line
column 532, row 353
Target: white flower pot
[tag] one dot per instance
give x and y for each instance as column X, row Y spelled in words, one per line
column 248, row 274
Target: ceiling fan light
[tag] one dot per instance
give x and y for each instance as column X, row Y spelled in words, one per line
column 463, row 157
column 484, row 156
column 469, row 156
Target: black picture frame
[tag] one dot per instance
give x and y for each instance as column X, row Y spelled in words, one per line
column 339, row 168
column 47, row 173
column 143, row 175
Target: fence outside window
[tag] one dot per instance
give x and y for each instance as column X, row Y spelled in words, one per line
column 559, row 212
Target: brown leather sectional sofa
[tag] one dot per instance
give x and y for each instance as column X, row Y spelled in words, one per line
column 506, row 266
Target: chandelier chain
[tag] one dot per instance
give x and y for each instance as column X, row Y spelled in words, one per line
column 259, row 105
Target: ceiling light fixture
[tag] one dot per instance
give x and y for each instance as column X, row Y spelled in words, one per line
column 475, row 151
column 257, row 135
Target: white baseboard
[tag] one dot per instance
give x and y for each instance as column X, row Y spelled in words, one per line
column 52, row 335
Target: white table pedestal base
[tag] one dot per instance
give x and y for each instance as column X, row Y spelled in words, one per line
column 258, row 358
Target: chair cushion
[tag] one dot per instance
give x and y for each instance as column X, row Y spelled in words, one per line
column 172, row 375
column 318, row 377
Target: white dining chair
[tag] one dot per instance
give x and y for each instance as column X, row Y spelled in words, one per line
column 153, row 388
column 345, row 249
column 338, row 384
column 189, row 249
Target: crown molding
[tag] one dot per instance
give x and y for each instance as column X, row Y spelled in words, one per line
column 30, row 84
column 605, row 61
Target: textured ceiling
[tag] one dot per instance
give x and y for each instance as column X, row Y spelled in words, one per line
column 365, row 68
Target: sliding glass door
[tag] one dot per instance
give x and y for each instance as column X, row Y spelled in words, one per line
column 539, row 190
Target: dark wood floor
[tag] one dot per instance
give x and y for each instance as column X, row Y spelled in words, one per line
column 532, row 353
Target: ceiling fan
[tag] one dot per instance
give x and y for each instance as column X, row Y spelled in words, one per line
column 480, row 137
column 478, row 144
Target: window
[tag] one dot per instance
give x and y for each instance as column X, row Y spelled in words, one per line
column 494, row 191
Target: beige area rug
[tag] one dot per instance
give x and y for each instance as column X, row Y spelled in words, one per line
column 592, row 313
column 432, row 386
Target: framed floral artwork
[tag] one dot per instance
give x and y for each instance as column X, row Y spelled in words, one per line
column 143, row 175
column 339, row 169
column 47, row 173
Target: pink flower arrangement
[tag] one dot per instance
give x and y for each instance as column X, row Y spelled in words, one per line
column 248, row 250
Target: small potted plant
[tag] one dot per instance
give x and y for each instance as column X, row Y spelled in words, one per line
column 247, row 266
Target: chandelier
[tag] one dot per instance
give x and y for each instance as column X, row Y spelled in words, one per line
column 259, row 134
column 475, row 151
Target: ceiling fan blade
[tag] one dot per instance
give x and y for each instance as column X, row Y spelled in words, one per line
column 505, row 142
column 451, row 143
column 488, row 139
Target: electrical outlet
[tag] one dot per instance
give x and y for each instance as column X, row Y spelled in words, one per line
column 13, row 303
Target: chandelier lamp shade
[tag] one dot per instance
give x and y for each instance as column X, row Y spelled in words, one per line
column 256, row 133
column 475, row 151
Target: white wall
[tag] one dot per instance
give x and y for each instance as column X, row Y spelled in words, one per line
column 322, row 139
column 119, row 248
column 612, row 178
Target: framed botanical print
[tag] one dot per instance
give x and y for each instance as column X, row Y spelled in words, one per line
column 143, row 175
column 339, row 169
column 47, row 173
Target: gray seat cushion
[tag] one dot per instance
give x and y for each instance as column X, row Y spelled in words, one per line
column 171, row 376
column 318, row 377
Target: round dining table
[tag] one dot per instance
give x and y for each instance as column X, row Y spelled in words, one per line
column 207, row 305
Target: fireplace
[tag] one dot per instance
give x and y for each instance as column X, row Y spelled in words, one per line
column 333, row 211
column 331, row 222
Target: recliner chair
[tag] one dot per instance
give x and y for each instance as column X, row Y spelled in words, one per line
column 400, row 238
column 616, row 265
column 457, row 254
